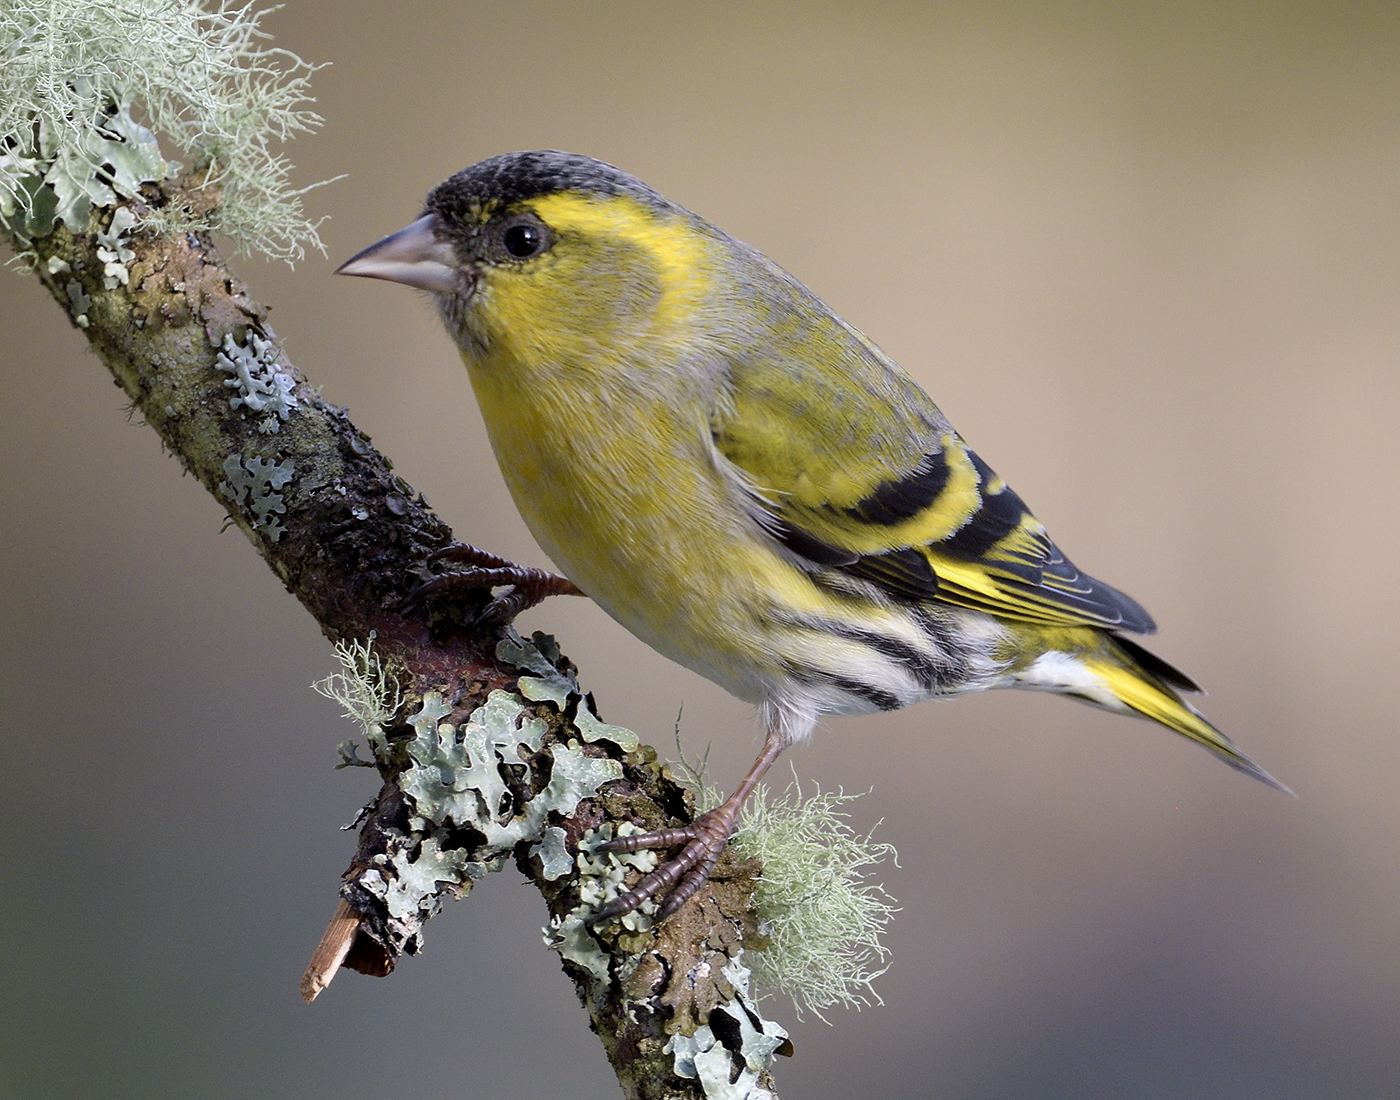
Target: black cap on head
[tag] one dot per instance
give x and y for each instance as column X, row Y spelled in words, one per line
column 502, row 181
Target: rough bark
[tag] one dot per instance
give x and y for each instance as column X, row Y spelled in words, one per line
column 350, row 542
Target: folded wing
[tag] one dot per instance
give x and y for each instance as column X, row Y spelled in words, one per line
column 876, row 483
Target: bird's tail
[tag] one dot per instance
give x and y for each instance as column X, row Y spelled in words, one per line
column 1122, row 675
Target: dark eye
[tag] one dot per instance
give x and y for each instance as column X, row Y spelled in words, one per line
column 523, row 241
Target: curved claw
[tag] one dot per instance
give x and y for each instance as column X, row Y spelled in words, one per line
column 504, row 608
column 469, row 555
column 525, row 586
column 473, row 580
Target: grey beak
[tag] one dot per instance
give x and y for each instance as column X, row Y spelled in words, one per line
column 414, row 256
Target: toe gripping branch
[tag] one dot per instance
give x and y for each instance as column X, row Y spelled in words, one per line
column 678, row 878
column 704, row 840
column 524, row 586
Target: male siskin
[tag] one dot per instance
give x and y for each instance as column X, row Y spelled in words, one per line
column 742, row 479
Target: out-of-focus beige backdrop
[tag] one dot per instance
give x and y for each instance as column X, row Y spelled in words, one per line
column 1144, row 256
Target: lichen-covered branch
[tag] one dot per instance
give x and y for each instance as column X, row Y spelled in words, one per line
column 200, row 72
column 487, row 747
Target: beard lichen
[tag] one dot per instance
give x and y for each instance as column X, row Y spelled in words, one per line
column 76, row 75
column 822, row 919
column 368, row 695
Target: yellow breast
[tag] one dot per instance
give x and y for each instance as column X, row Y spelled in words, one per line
column 602, row 433
column 619, row 492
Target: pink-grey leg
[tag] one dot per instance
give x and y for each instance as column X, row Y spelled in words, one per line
column 704, row 839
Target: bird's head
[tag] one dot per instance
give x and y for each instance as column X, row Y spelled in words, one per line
column 548, row 253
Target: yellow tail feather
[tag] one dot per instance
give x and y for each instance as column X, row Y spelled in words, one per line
column 1145, row 693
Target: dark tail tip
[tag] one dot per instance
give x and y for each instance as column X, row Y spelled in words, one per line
column 1240, row 762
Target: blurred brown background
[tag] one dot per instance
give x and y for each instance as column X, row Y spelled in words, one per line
column 1144, row 257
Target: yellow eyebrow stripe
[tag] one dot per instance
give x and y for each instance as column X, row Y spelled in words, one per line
column 679, row 254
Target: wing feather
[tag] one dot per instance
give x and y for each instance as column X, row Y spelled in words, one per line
column 997, row 557
column 850, row 465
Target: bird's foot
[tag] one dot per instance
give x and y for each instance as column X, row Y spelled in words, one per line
column 523, row 585
column 678, row 878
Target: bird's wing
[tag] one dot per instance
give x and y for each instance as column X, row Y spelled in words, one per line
column 854, row 468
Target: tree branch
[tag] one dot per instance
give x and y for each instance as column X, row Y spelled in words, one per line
column 489, row 749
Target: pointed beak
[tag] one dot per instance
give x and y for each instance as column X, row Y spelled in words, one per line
column 415, row 256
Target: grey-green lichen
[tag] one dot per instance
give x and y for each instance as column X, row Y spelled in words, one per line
column 553, row 854
column 462, row 781
column 52, row 172
column 554, row 680
column 255, row 484
column 413, row 876
column 80, row 302
column 113, row 250
column 75, row 75
column 456, row 776
column 822, row 918
column 367, row 694
column 600, row 879
column 466, row 804
column 551, row 679
column 259, row 383
column 730, row 1052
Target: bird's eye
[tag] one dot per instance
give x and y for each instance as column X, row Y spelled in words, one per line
column 523, row 241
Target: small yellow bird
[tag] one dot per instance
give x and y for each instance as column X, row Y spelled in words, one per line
column 742, row 479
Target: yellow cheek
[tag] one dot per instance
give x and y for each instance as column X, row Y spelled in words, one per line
column 582, row 296
column 618, row 267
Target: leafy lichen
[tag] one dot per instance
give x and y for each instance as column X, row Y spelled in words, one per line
column 413, row 876
column 258, row 382
column 727, row 1055
column 552, row 679
column 255, row 483
column 457, row 780
column 601, row 878
column 113, row 251
column 552, row 853
column 80, row 302
column 466, row 790
column 51, row 175
column 460, row 781
column 590, row 728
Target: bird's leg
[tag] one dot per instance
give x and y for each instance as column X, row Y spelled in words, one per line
column 704, row 840
column 524, row 586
